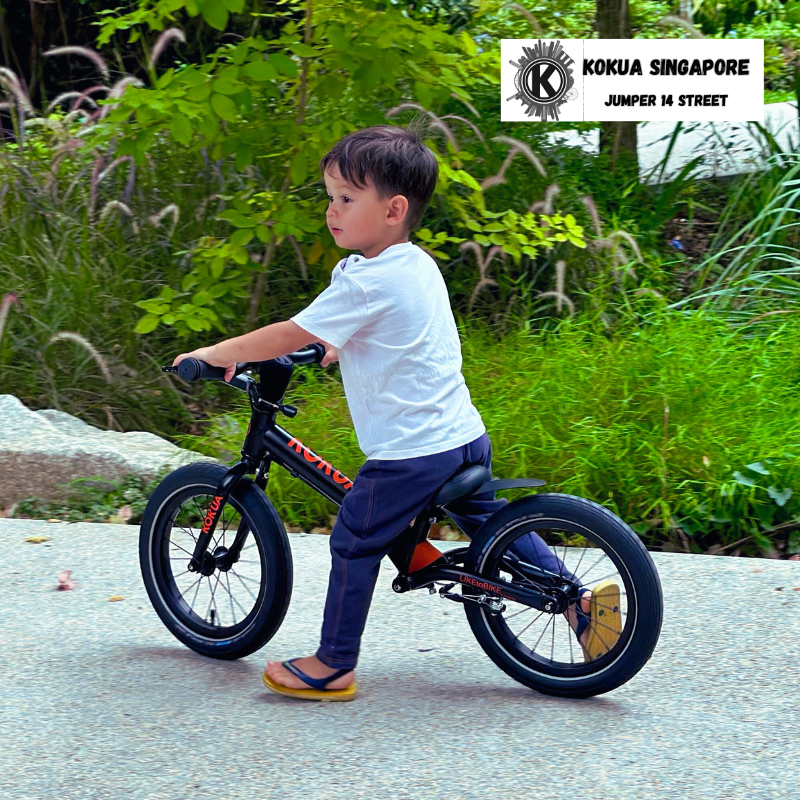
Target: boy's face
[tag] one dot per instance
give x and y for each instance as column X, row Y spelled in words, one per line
column 359, row 219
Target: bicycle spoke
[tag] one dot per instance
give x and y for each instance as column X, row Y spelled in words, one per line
column 194, row 599
column 244, row 611
column 580, row 577
column 172, row 544
column 230, row 597
column 580, row 560
column 517, row 613
column 544, row 630
column 244, row 584
column 212, row 602
column 528, row 625
column 614, row 574
column 570, row 631
column 253, row 580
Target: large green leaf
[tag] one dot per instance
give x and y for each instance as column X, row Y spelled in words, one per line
column 215, row 14
column 181, row 129
column 224, row 107
column 283, row 64
column 146, row 324
column 298, row 169
column 259, row 71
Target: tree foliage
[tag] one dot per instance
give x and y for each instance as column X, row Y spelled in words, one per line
column 272, row 107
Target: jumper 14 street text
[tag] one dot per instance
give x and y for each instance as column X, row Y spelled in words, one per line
column 667, row 100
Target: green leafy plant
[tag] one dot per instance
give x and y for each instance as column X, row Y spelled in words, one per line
column 94, row 499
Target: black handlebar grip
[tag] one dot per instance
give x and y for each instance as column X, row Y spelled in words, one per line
column 192, row 369
column 313, row 354
column 320, row 351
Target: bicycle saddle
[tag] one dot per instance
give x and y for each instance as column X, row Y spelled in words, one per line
column 464, row 482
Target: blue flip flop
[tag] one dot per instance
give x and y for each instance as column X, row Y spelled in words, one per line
column 583, row 617
column 317, row 690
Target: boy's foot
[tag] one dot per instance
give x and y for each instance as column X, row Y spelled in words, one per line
column 601, row 625
column 287, row 678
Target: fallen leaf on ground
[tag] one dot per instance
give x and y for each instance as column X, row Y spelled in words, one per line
column 64, row 581
column 758, row 570
column 115, row 597
column 37, row 539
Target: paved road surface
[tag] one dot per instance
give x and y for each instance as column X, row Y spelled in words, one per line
column 98, row 700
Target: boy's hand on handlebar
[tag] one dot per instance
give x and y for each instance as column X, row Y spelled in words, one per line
column 207, row 354
column 331, row 355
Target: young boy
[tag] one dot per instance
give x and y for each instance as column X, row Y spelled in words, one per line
column 386, row 318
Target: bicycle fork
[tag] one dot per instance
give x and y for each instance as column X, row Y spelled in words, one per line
column 203, row 561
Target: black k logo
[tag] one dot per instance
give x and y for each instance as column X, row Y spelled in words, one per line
column 540, row 83
column 544, row 78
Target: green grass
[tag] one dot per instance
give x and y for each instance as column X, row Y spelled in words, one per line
column 681, row 426
column 686, row 425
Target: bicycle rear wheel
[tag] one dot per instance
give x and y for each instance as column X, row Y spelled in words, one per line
column 232, row 607
column 592, row 548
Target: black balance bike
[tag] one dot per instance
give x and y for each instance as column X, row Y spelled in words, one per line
column 217, row 565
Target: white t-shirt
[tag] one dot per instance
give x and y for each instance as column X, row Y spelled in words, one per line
column 399, row 353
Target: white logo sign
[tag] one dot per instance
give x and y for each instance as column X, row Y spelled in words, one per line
column 659, row 80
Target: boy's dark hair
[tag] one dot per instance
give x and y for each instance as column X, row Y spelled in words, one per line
column 394, row 160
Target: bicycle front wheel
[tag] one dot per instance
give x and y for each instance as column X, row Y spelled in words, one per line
column 236, row 603
column 581, row 546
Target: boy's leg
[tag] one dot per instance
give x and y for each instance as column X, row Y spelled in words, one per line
column 470, row 514
column 385, row 497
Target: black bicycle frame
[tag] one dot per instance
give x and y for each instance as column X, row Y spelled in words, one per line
column 266, row 443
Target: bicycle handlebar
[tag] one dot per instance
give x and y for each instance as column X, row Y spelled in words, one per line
column 192, row 369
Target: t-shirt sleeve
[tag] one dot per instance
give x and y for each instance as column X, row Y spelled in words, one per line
column 337, row 313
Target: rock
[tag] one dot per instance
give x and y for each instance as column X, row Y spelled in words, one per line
column 41, row 451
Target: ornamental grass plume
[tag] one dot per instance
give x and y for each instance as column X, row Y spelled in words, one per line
column 93, row 56
column 86, row 345
column 525, row 149
column 435, row 123
column 559, row 294
column 117, row 90
column 527, row 14
column 466, row 103
column 9, row 299
column 545, row 206
column 472, row 125
column 483, row 266
column 694, row 32
column 162, row 42
column 116, row 205
column 85, row 95
column 111, row 167
column 172, row 209
column 592, row 208
column 516, row 148
column 60, row 99
column 10, row 82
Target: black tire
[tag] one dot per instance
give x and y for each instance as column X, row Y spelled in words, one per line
column 165, row 546
column 584, row 527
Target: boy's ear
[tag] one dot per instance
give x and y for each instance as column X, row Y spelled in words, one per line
column 398, row 209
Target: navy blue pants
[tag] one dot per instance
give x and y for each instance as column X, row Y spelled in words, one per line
column 386, row 496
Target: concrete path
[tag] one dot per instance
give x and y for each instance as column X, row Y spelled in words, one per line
column 98, row 700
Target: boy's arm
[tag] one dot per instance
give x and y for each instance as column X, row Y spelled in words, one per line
column 268, row 342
